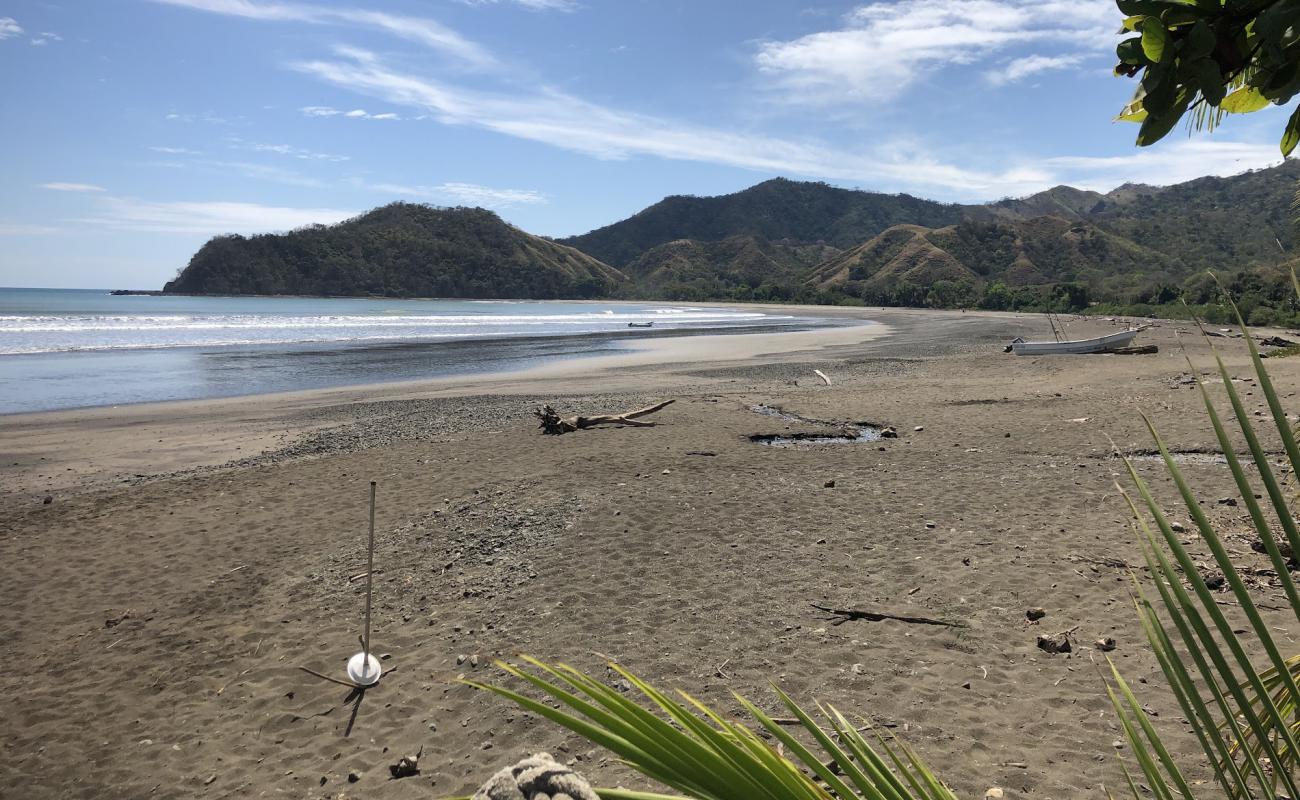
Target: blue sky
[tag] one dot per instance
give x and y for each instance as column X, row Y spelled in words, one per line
column 133, row 130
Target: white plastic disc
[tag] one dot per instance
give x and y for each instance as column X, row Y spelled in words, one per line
column 364, row 671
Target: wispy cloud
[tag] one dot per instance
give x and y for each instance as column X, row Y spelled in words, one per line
column 45, row 37
column 9, row 28
column 25, row 229
column 286, row 150
column 1022, row 68
column 206, row 116
column 207, row 217
column 175, row 151
column 567, row 122
column 463, row 193
column 879, row 50
column 1173, row 162
column 421, row 30
column 564, row 121
column 356, row 113
column 531, row 5
column 60, row 186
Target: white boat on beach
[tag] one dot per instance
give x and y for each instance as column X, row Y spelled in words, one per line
column 1099, row 344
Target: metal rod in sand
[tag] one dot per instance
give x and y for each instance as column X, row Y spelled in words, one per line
column 370, row 576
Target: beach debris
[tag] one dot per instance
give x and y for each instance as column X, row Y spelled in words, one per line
column 994, row 793
column 113, row 622
column 49, row 498
column 918, row 429
column 700, row 453
column 839, row 616
column 1276, row 341
column 888, row 432
column 1105, row 644
column 1034, row 614
column 406, row 766
column 1213, row 580
column 354, row 775
column 1057, row 642
column 1136, row 350
column 830, row 484
column 1227, row 501
column 552, row 423
column 536, row 776
column 1177, row 527
column 822, row 375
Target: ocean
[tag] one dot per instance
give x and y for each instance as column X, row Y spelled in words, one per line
column 73, row 348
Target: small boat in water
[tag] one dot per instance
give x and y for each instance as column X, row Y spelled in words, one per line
column 1098, row 344
column 640, row 324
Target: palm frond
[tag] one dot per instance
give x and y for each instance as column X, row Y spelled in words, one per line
column 691, row 748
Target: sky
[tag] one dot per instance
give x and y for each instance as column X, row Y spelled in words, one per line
column 131, row 131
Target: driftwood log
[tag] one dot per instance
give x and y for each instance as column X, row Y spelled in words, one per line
column 553, row 423
column 1139, row 350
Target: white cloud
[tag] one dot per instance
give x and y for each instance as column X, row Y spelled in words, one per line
column 25, row 229
column 1020, row 68
column 881, row 49
column 563, row 121
column 570, row 123
column 531, row 5
column 9, row 28
column 175, row 151
column 45, row 37
column 1170, row 162
column 423, row 31
column 287, row 150
column 209, row 218
column 206, row 116
column 464, row 193
column 356, row 113
column 72, row 187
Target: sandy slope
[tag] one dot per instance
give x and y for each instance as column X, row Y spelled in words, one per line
column 155, row 625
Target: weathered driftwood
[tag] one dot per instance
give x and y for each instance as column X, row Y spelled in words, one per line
column 1138, row 350
column 553, row 423
column 843, row 615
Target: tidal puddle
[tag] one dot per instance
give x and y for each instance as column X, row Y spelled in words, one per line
column 850, row 433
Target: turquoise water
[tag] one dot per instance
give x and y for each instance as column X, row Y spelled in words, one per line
column 71, row 348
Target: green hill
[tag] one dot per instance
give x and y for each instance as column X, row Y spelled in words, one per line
column 779, row 209
column 399, row 250
column 690, row 269
column 1043, row 250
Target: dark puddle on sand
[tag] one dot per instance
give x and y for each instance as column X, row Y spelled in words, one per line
column 850, row 433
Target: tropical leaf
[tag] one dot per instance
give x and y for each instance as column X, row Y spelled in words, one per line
column 687, row 746
column 1246, row 717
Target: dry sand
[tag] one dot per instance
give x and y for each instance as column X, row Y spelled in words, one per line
column 194, row 555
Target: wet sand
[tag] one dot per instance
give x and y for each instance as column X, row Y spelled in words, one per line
column 193, row 556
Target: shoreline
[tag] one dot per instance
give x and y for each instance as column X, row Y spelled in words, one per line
column 188, row 434
column 130, row 371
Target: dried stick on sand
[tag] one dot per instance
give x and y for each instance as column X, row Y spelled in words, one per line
column 842, row 615
column 553, row 423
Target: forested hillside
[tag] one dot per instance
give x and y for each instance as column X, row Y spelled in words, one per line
column 399, row 250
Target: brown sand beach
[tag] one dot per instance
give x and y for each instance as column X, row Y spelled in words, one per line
column 192, row 556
